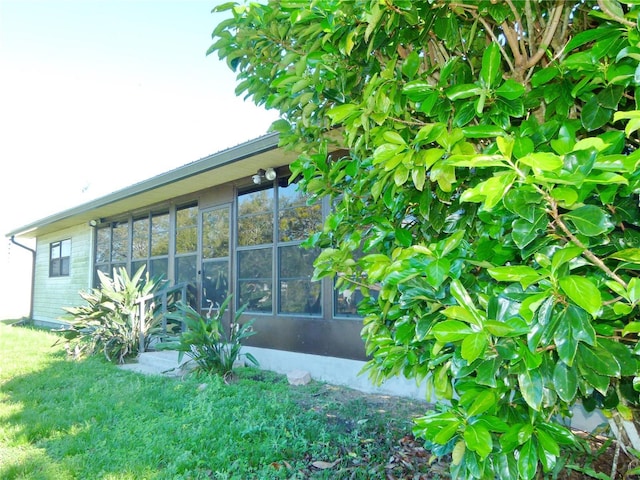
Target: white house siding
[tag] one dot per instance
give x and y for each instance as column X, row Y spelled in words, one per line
column 51, row 294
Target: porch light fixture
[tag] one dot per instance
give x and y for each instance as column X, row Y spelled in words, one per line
column 257, row 178
column 269, row 174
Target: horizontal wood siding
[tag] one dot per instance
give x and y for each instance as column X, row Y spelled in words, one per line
column 51, row 294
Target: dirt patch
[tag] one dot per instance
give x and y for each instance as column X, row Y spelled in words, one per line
column 405, row 457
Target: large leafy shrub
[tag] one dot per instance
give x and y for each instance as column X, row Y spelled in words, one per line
column 485, row 200
column 109, row 321
column 213, row 348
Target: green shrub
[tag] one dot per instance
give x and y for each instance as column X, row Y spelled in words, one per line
column 212, row 347
column 110, row 320
column 482, row 162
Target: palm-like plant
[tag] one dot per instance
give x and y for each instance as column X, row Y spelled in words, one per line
column 110, row 321
column 206, row 341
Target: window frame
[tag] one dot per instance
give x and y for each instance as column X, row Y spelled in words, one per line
column 57, row 269
column 276, row 246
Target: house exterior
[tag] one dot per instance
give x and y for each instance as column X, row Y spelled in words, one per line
column 229, row 223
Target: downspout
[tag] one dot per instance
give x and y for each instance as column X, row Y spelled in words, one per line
column 33, row 272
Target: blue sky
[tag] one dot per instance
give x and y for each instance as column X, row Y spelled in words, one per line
column 96, row 95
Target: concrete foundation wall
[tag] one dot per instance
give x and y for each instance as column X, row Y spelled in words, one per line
column 336, row 371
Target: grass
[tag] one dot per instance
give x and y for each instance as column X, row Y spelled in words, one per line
column 62, row 419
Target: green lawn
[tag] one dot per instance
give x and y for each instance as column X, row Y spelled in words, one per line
column 62, row 419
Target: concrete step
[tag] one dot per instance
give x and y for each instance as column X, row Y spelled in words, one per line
column 158, row 363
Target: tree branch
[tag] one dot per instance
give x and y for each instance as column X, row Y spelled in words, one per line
column 563, row 226
column 605, row 9
column 518, row 19
column 550, row 30
column 512, row 39
column 585, row 251
column 488, row 29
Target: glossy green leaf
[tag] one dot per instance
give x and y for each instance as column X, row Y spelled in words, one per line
column 582, row 292
column 482, row 131
column 525, row 232
column 588, row 36
column 418, row 176
column 478, row 439
column 473, row 346
column 564, row 255
column 437, row 271
column 459, row 92
column 572, row 327
column 450, row 243
column 565, row 381
column 450, row 331
column 411, row 64
column 523, row 201
column 589, row 220
column 464, row 300
column 506, row 466
column 593, row 378
column 510, row 89
column 528, row 461
column 626, row 360
column 547, row 459
column 457, row 312
column 518, row 273
column 566, row 196
column 393, row 137
column 531, row 387
column 500, row 329
column 341, row 112
column 544, row 75
column 543, row 161
column 447, row 432
column 547, row 442
column 631, row 255
column 599, row 360
column 490, row 71
column 403, row 237
column 417, row 90
column 594, row 115
column 483, row 402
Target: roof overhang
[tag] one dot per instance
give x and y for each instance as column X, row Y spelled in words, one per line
column 222, row 167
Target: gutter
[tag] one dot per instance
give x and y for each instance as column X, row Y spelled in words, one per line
column 33, row 272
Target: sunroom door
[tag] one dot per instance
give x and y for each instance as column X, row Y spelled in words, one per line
column 216, row 235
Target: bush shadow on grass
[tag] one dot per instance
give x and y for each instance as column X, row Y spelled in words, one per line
column 88, row 419
column 75, row 417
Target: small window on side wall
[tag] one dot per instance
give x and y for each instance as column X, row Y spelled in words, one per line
column 59, row 257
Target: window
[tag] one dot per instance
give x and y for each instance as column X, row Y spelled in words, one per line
column 186, row 244
column 216, row 228
column 59, row 256
column 255, row 250
column 274, row 271
column 112, row 248
column 296, row 221
column 159, row 259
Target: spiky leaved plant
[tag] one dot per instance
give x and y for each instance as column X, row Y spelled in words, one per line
column 206, row 341
column 110, row 320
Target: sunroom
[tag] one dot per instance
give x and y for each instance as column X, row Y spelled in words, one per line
column 230, row 223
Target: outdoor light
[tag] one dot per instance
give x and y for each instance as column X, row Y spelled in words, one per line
column 270, row 174
column 93, row 223
column 257, row 178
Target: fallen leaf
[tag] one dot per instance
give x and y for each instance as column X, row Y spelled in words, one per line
column 324, row 465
